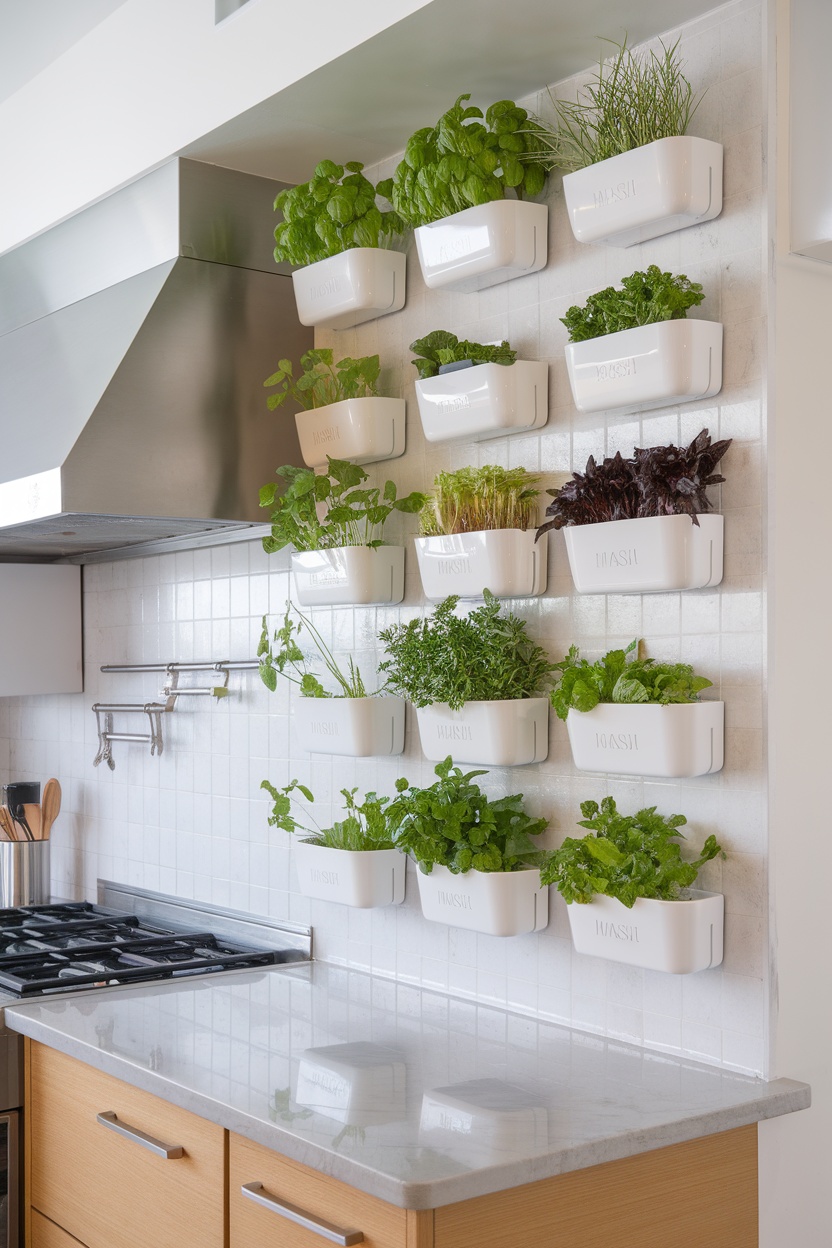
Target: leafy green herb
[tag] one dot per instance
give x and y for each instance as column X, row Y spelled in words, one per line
column 460, row 162
column 656, row 481
column 442, row 347
column 282, row 656
column 582, row 685
column 645, row 298
column 470, row 500
column 366, row 824
column 626, row 857
column 634, row 98
column 321, row 382
column 453, row 824
column 332, row 212
column 352, row 516
column 480, row 657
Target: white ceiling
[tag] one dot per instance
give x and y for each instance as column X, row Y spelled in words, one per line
column 33, row 33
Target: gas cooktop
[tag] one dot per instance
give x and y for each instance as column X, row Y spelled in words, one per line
column 57, row 948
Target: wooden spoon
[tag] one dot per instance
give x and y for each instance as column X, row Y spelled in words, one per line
column 50, row 807
column 32, row 815
column 7, row 825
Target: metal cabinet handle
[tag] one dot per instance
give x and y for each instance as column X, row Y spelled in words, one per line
column 168, row 1151
column 257, row 1193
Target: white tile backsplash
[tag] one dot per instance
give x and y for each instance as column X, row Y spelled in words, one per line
column 194, row 822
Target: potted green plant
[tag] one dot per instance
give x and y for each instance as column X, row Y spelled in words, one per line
column 465, row 185
column 351, row 267
column 642, row 525
column 335, row 524
column 476, row 681
column 477, row 390
column 348, row 721
column 342, row 409
column 635, row 173
column 478, row 533
column 637, row 717
column 355, row 861
column 628, row 891
column 634, row 348
column 478, row 863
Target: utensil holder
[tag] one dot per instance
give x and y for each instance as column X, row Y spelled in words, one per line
column 24, row 873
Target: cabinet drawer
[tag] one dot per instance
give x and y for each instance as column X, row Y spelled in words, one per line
column 46, row 1234
column 111, row 1191
column 318, row 1197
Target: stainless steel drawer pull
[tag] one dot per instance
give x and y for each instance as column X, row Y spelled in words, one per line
column 257, row 1193
column 168, row 1151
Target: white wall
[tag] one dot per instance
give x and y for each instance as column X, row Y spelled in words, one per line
column 794, row 1151
column 153, row 77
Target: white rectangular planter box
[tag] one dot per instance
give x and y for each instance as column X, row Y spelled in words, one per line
column 652, row 190
column 362, row 878
column 500, row 903
column 349, row 576
column 651, row 555
column 484, row 245
column 495, row 734
column 348, row 289
column 359, row 1083
column 352, row 727
column 363, row 430
column 484, row 1120
column 646, row 739
column 507, row 561
column 485, row 401
column 678, row 937
column 650, row 366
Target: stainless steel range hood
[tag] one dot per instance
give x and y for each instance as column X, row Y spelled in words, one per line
column 134, row 339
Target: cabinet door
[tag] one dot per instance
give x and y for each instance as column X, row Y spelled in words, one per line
column 106, row 1180
column 262, row 1183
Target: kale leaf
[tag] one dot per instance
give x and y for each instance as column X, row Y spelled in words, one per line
column 583, row 685
column 644, row 299
column 442, row 347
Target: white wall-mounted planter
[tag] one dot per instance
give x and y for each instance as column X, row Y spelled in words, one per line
column 646, row 739
column 363, row 430
column 486, row 401
column 507, row 561
column 484, row 1119
column 362, row 878
column 349, row 576
column 650, row 366
column 497, row 734
column 501, row 903
column 352, row 727
column 359, row 1083
column 348, row 289
column 678, row 937
column 484, row 245
column 652, row 190
column 650, row 555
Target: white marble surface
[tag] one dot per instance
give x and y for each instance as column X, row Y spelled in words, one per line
column 388, row 1114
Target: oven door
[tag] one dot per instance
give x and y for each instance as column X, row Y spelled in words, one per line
column 10, row 1180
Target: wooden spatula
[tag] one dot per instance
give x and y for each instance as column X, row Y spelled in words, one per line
column 32, row 816
column 50, row 807
column 7, row 825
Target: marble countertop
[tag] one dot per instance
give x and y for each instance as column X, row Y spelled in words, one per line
column 413, row 1096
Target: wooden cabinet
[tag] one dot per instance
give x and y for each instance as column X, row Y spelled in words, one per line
column 46, row 1234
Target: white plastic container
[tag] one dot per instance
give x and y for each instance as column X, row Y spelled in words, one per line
column 351, row 727
column 652, row 190
column 485, row 401
column 678, row 937
column 484, row 1120
column 359, row 1083
column 363, row 430
column 365, row 878
column 496, row 734
column 349, row 576
column 651, row 555
column 646, row 739
column 500, row 903
column 507, row 561
column 650, row 366
column 484, row 245
column 348, row 289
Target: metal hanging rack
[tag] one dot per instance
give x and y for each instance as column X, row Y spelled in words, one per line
column 171, row 691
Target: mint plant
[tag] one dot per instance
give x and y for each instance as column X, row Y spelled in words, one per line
column 332, row 212
column 442, row 347
column 625, row 856
column 281, row 655
column 453, row 824
column 583, row 685
column 366, row 824
column 352, row 516
column 644, row 299
column 323, row 382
